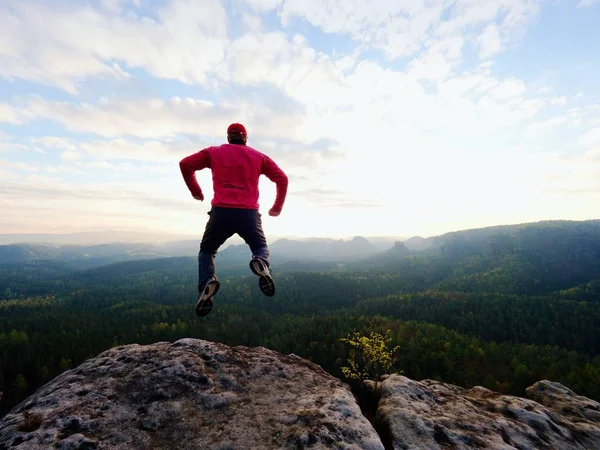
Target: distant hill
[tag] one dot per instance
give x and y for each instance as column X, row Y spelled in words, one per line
column 321, row 252
column 324, row 249
column 81, row 257
column 534, row 258
column 307, row 251
column 531, row 259
column 89, row 237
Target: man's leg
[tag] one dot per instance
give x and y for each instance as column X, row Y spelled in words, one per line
column 251, row 231
column 218, row 230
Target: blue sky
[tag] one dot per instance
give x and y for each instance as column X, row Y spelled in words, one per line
column 415, row 118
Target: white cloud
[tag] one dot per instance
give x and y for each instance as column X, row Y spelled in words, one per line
column 591, row 138
column 253, row 23
column 188, row 40
column 264, row 5
column 437, row 62
column 542, row 127
column 63, row 169
column 69, row 155
column 55, row 142
column 73, row 42
column 489, row 41
column 37, row 198
column 403, row 28
column 21, row 166
column 561, row 101
column 8, row 114
column 112, row 5
column 584, row 3
column 155, row 155
column 10, row 146
column 152, row 118
column 507, row 89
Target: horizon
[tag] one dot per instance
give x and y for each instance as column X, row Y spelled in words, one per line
column 399, row 120
column 96, row 237
column 101, row 237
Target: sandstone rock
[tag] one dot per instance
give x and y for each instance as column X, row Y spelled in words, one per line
column 191, row 394
column 434, row 415
column 581, row 413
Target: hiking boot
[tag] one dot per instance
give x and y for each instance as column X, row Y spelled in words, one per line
column 265, row 281
column 205, row 304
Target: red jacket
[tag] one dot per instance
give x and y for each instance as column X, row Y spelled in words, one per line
column 235, row 173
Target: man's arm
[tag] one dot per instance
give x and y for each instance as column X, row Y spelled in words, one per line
column 189, row 166
column 277, row 176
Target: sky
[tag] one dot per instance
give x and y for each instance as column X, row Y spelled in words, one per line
column 390, row 118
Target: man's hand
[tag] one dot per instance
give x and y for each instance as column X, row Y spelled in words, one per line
column 199, row 197
column 274, row 212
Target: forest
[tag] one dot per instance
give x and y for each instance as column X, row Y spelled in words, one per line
column 500, row 307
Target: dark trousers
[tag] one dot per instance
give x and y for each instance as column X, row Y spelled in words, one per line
column 224, row 223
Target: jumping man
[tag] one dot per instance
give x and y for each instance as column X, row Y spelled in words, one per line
column 236, row 169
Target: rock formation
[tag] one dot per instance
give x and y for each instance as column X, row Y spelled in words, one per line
column 190, row 394
column 434, row 415
column 194, row 394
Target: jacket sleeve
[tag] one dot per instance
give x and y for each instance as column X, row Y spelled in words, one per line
column 190, row 164
column 274, row 173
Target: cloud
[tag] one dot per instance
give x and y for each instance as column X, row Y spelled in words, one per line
column 253, row 23
column 323, row 197
column 354, row 205
column 152, row 151
column 10, row 146
column 507, row 89
column 584, row 3
column 437, row 63
column 50, row 190
column 69, row 155
column 154, row 118
column 116, row 6
column 8, row 114
column 401, row 29
column 326, row 90
column 264, row 5
column 489, row 41
column 21, row 166
column 123, row 152
column 591, row 138
column 295, row 154
column 543, row 127
column 73, row 41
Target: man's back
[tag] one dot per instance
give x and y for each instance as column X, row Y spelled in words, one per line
column 236, row 170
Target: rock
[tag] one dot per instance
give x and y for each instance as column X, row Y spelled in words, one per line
column 581, row 413
column 434, row 415
column 190, row 394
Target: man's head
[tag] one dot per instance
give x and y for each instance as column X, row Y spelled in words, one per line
column 236, row 134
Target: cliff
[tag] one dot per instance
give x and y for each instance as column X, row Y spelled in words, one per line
column 195, row 394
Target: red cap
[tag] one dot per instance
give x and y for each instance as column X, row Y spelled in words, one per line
column 236, row 128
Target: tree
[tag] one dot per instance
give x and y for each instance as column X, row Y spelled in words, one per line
column 21, row 383
column 370, row 356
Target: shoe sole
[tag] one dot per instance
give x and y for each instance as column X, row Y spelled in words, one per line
column 205, row 303
column 265, row 281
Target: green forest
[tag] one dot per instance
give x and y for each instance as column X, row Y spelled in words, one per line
column 500, row 307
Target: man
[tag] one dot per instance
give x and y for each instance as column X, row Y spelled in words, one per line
column 236, row 169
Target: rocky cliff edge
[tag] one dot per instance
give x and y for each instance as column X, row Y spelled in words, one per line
column 194, row 394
